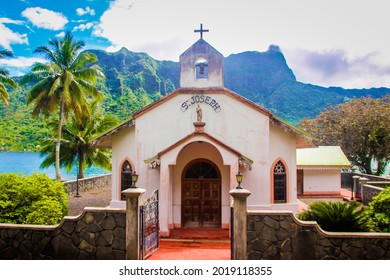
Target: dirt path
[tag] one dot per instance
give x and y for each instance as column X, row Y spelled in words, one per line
column 93, row 198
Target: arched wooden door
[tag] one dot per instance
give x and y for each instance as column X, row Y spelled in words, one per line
column 201, row 195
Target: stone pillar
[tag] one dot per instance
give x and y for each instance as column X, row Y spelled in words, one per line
column 133, row 198
column 355, row 186
column 362, row 182
column 239, row 223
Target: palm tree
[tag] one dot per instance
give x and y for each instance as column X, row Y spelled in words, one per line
column 5, row 79
column 77, row 143
column 63, row 84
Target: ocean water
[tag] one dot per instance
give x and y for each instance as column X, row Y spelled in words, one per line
column 27, row 163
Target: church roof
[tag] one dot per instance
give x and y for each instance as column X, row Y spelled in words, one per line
column 104, row 140
column 304, row 139
column 243, row 160
column 322, row 156
column 201, row 43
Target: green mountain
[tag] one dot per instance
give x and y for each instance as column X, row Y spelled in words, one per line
column 263, row 77
column 134, row 80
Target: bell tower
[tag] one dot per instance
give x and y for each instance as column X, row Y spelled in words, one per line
column 201, row 66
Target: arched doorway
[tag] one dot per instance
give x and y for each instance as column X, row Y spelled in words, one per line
column 201, row 195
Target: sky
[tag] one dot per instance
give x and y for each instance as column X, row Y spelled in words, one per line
column 342, row 43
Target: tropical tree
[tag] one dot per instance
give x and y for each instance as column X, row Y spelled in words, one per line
column 32, row 199
column 5, row 80
column 77, row 143
column 378, row 211
column 360, row 127
column 63, row 84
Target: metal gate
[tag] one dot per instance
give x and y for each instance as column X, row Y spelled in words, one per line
column 150, row 227
column 232, row 233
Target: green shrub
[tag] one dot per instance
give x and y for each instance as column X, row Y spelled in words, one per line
column 379, row 211
column 35, row 199
column 336, row 216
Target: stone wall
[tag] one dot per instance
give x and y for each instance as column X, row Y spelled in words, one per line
column 347, row 181
column 98, row 233
column 368, row 192
column 88, row 183
column 276, row 235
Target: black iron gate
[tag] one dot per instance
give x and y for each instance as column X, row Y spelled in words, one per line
column 150, row 227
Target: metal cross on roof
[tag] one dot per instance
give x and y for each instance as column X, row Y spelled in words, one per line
column 201, row 30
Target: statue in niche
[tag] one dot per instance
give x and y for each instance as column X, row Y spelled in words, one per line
column 199, row 113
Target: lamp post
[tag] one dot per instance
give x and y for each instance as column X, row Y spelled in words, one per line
column 134, row 179
column 239, row 220
column 239, row 180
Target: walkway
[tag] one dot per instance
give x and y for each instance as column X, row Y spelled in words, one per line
column 305, row 201
column 194, row 244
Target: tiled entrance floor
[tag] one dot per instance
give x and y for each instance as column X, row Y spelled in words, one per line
column 194, row 244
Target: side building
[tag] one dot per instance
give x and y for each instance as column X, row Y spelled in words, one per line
column 319, row 170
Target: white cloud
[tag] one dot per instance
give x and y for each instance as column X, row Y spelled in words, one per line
column 44, row 18
column 146, row 26
column 113, row 49
column 83, row 26
column 88, row 10
column 8, row 20
column 60, row 35
column 20, row 61
column 164, row 29
column 20, row 65
column 9, row 37
column 79, row 20
column 335, row 67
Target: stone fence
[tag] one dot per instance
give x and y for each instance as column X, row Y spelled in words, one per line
column 368, row 192
column 347, row 178
column 364, row 186
column 86, row 184
column 275, row 235
column 98, row 233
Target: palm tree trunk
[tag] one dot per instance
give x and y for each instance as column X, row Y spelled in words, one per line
column 58, row 142
column 81, row 164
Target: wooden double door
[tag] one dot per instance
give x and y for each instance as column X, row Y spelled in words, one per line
column 201, row 203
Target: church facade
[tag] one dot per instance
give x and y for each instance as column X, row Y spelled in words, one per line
column 191, row 143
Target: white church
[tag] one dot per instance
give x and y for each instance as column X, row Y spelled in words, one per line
column 191, row 143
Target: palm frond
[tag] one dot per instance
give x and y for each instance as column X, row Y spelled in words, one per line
column 83, row 59
column 6, row 53
column 4, row 72
column 4, row 94
column 7, row 81
column 47, row 54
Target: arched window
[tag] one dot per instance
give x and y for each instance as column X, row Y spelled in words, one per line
column 280, row 188
column 126, row 177
column 202, row 68
column 201, row 170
